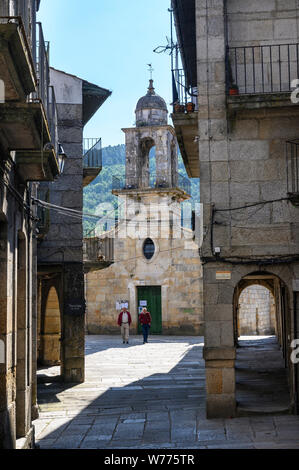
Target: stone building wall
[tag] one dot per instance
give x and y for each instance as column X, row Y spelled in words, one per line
column 17, row 255
column 62, row 246
column 176, row 267
column 242, row 143
column 256, row 314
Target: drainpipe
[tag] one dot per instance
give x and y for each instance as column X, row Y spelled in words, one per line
column 296, row 366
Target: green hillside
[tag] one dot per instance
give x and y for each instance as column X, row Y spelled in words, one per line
column 99, row 191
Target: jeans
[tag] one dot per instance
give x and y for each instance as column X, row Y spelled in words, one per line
column 145, row 330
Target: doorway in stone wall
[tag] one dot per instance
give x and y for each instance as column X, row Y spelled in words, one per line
column 50, row 334
column 150, row 297
column 262, row 329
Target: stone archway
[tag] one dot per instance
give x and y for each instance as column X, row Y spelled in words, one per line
column 50, row 347
column 256, row 312
column 262, row 364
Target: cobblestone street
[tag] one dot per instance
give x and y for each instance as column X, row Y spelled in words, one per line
column 146, row 396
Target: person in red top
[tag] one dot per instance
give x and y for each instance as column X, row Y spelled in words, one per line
column 145, row 320
column 124, row 321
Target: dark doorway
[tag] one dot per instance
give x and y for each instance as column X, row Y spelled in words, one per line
column 152, row 296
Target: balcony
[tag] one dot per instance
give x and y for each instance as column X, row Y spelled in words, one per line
column 98, row 253
column 292, row 154
column 178, row 184
column 92, row 160
column 185, row 121
column 28, row 113
column 260, row 76
column 17, row 69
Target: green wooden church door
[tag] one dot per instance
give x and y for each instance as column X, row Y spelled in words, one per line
column 152, row 296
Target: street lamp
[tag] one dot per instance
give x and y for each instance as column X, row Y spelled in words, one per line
column 61, row 158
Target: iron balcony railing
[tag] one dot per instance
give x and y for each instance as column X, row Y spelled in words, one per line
column 96, row 249
column 185, row 97
column 43, row 68
column 292, row 155
column 147, row 181
column 262, row 69
column 45, row 93
column 53, row 118
column 92, row 153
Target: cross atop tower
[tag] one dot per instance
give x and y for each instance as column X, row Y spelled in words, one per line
column 151, row 70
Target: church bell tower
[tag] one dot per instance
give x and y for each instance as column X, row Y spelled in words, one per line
column 166, row 188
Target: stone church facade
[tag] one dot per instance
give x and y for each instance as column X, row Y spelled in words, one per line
column 156, row 260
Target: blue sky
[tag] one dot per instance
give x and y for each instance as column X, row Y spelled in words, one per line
column 110, row 43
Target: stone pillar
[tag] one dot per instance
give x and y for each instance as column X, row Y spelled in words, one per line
column 35, row 284
column 7, row 363
column 22, row 425
column 73, row 333
column 219, row 351
column 132, row 161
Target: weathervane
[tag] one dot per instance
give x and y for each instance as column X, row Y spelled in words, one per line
column 151, row 70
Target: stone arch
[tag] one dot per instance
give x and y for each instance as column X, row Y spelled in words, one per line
column 145, row 146
column 278, row 289
column 264, row 362
column 256, row 311
column 50, row 348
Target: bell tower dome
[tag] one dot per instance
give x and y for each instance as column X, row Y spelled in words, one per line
column 151, row 109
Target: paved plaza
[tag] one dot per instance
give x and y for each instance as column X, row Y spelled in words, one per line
column 147, row 396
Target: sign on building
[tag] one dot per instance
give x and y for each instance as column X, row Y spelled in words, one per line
column 122, row 304
column 75, row 307
column 223, row 275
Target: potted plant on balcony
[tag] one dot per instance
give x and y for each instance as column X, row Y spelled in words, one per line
column 233, row 90
column 179, row 108
column 190, row 107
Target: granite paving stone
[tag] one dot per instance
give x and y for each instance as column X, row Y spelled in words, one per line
column 148, row 397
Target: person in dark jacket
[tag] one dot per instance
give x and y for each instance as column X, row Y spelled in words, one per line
column 124, row 321
column 145, row 321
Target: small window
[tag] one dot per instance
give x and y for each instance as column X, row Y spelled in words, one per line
column 148, row 248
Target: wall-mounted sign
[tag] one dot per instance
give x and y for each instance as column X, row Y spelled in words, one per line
column 121, row 304
column 143, row 303
column 223, row 275
column 140, row 310
column 74, row 307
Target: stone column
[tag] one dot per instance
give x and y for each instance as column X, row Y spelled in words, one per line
column 73, row 330
column 219, row 351
column 7, row 362
column 132, row 160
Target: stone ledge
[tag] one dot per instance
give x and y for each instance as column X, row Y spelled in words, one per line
column 259, row 101
column 219, row 354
